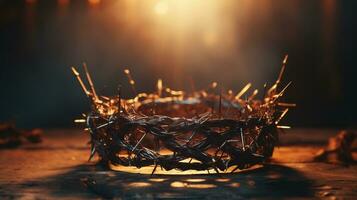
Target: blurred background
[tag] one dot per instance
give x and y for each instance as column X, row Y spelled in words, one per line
column 232, row 42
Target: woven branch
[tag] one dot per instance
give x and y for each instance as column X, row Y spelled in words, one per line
column 201, row 130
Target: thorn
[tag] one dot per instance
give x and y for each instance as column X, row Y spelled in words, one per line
column 189, row 139
column 153, row 171
column 282, row 115
column 285, row 59
column 131, row 81
column 242, row 138
column 253, row 95
column 220, row 147
column 139, row 141
column 264, row 92
column 92, row 152
column 89, row 79
column 282, row 69
column 80, row 81
column 159, row 87
column 283, row 127
column 215, row 168
column 283, row 90
column 104, row 125
column 244, row 90
column 272, row 89
column 79, row 121
column 227, row 164
column 287, row 104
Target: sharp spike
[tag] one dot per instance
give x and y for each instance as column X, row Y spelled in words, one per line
column 189, row 139
column 283, row 127
column 287, row 104
column 283, row 90
column 131, row 80
column 255, row 92
column 273, row 89
column 242, row 138
column 80, row 81
column 282, row 69
column 92, row 152
column 285, row 59
column 89, row 79
column 244, row 90
column 79, row 121
column 281, row 116
column 215, row 168
column 139, row 142
column 153, row 171
column 159, row 87
column 264, row 92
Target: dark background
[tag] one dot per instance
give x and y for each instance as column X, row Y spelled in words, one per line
column 231, row 42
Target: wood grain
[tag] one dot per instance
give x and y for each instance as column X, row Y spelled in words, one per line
column 58, row 169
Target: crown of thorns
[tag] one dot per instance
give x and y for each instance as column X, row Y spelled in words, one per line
column 198, row 130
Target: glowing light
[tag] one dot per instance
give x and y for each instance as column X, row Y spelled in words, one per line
column 80, row 121
column 244, row 90
column 159, row 87
column 75, row 72
column 161, row 8
column 157, row 179
column 214, row 84
column 223, row 179
column 178, row 184
column 195, row 180
column 287, row 104
column 202, row 186
column 283, row 127
column 139, row 184
column 131, row 80
column 285, row 59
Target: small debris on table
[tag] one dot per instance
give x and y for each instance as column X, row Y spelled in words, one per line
column 341, row 149
column 12, row 137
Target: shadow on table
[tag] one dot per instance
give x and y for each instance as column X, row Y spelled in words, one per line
column 85, row 181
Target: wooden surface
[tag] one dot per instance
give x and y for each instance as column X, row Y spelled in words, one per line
column 58, row 169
